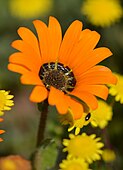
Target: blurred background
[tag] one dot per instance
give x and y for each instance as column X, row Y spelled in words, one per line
column 21, row 123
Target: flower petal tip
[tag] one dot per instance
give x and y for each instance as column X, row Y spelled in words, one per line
column 52, row 18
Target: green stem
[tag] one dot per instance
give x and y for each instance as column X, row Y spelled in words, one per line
column 42, row 123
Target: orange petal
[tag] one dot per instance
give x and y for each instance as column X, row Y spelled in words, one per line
column 86, row 44
column 25, row 61
column 18, row 68
column 89, row 39
column 31, row 78
column 38, row 94
column 87, row 97
column 96, row 56
column 77, row 108
column 58, row 98
column 84, row 34
column 44, row 40
column 97, row 90
column 63, row 102
column 71, row 37
column 55, row 36
column 27, row 50
column 2, row 131
column 102, row 77
column 18, row 45
column 28, row 37
column 1, row 119
column 54, row 93
column 97, row 68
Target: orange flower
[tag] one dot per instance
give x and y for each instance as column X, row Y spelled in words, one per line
column 61, row 69
column 1, row 131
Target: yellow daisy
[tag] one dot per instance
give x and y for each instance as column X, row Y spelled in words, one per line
column 1, row 131
column 78, row 123
column 117, row 90
column 73, row 164
column 101, row 115
column 83, row 146
column 30, row 8
column 102, row 12
column 108, row 155
column 5, row 101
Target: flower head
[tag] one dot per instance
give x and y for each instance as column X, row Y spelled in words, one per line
column 64, row 71
column 117, row 90
column 1, row 131
column 5, row 101
column 73, row 164
column 83, row 146
column 30, row 8
column 108, row 155
column 14, row 162
column 101, row 115
column 102, row 12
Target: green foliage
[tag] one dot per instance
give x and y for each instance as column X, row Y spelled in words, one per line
column 45, row 156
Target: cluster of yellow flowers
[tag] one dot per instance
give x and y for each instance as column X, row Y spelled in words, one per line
column 83, row 149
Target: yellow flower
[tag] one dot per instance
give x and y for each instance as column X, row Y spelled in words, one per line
column 83, row 146
column 73, row 164
column 1, row 131
column 117, row 90
column 102, row 12
column 5, row 101
column 98, row 117
column 14, row 162
column 30, row 8
column 108, row 155
column 78, row 123
column 101, row 115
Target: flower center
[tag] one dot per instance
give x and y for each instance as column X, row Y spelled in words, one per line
column 76, row 146
column 57, row 75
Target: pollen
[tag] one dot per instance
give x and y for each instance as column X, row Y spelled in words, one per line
column 58, row 76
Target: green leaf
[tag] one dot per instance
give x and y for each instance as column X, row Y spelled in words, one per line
column 45, row 156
